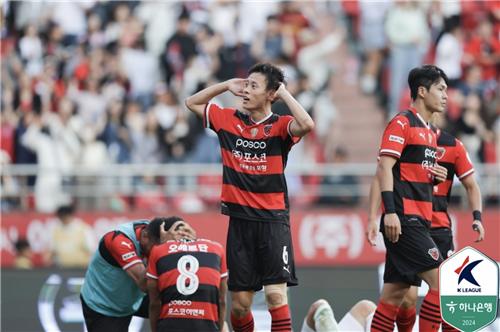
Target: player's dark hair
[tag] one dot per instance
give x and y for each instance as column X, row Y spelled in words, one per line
column 65, row 211
column 425, row 76
column 274, row 75
column 153, row 228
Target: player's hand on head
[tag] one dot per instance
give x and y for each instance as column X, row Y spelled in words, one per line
column 440, row 173
column 280, row 91
column 477, row 226
column 184, row 232
column 188, row 234
column 164, row 234
column 236, row 86
column 392, row 227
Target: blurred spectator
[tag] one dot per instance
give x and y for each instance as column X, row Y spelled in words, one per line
column 449, row 51
column 472, row 82
column 115, row 133
column 93, row 158
column 272, row 43
column 346, row 191
column 55, row 146
column 142, row 70
column 472, row 129
column 145, row 145
column 312, row 58
column 294, row 22
column 373, row 41
column 24, row 255
column 484, row 49
column 408, row 34
column 159, row 19
column 9, row 186
column 90, row 101
column 325, row 116
column 30, row 48
column 223, row 15
column 252, row 19
column 70, row 16
column 95, row 36
column 179, row 50
column 72, row 242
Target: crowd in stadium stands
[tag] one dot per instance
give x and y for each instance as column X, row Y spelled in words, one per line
column 96, row 83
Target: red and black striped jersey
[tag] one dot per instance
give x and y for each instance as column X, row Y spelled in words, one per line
column 413, row 143
column 119, row 250
column 189, row 275
column 450, row 154
column 254, row 157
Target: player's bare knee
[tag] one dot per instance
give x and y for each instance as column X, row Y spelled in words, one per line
column 240, row 311
column 409, row 303
column 275, row 299
column 275, row 295
column 241, row 303
column 240, row 307
column 394, row 293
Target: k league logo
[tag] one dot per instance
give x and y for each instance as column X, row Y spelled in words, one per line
column 465, row 271
column 468, row 284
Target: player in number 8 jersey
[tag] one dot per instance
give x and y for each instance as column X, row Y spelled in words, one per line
column 187, row 284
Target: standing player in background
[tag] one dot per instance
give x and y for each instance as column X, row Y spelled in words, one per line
column 187, row 284
column 255, row 145
column 452, row 155
column 406, row 173
column 115, row 281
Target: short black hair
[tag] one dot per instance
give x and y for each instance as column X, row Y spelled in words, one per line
column 274, row 75
column 65, row 210
column 21, row 245
column 425, row 76
column 153, row 227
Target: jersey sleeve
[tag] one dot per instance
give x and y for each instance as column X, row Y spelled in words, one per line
column 285, row 123
column 463, row 165
column 153, row 257
column 123, row 250
column 216, row 117
column 395, row 137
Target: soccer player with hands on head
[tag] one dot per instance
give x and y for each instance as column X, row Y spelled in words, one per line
column 115, row 281
column 255, row 143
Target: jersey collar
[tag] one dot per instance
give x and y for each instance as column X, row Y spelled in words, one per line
column 420, row 117
column 261, row 121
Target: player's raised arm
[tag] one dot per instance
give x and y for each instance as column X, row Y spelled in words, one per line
column 302, row 123
column 197, row 102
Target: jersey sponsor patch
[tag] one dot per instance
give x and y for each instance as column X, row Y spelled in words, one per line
column 128, row 255
column 397, row 139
